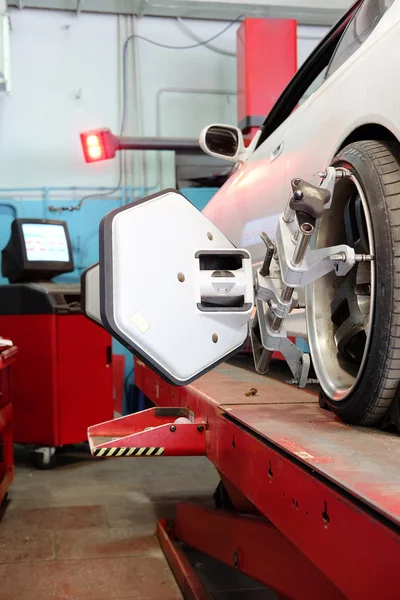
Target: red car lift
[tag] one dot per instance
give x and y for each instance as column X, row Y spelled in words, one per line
column 317, row 501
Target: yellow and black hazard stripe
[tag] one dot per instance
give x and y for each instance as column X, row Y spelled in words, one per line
column 143, row 451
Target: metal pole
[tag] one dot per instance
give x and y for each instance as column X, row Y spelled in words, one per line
column 306, row 230
column 155, row 143
column 289, row 214
column 264, row 271
column 287, row 293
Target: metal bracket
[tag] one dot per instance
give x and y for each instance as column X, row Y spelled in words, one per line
column 154, row 432
column 296, row 265
column 265, row 341
column 268, row 289
column 328, row 182
column 316, row 263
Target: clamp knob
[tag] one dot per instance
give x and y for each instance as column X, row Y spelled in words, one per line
column 308, row 199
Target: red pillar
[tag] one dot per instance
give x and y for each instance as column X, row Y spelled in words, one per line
column 266, row 61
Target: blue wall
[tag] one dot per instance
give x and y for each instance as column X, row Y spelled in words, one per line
column 83, row 224
column 199, row 196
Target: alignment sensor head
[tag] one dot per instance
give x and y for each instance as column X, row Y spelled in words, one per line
column 173, row 289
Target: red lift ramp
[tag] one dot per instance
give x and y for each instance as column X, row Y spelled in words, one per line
column 331, row 490
column 153, row 432
column 251, row 545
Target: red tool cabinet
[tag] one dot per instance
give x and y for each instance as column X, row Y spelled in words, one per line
column 7, row 357
column 62, row 380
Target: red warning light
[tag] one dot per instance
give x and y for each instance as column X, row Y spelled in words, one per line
column 98, row 144
column 93, row 146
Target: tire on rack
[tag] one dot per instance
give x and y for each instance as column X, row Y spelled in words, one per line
column 353, row 325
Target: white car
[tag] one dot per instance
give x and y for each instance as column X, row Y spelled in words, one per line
column 341, row 109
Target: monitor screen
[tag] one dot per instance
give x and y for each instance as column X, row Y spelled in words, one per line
column 45, row 242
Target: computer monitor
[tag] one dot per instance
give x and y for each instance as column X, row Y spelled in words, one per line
column 38, row 250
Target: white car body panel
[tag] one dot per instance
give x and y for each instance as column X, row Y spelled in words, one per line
column 364, row 90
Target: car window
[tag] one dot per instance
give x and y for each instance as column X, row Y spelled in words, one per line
column 314, row 86
column 360, row 27
column 308, row 77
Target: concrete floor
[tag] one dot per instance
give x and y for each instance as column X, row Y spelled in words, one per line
column 85, row 530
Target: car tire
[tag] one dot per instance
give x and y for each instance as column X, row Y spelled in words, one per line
column 376, row 165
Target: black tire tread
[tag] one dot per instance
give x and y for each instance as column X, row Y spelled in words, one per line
column 382, row 157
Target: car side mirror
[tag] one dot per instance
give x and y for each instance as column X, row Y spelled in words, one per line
column 223, row 141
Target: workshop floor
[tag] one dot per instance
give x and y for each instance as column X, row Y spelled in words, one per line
column 85, row 530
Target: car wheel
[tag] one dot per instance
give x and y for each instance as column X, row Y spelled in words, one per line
column 354, row 321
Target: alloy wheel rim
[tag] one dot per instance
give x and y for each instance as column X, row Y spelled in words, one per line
column 340, row 310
